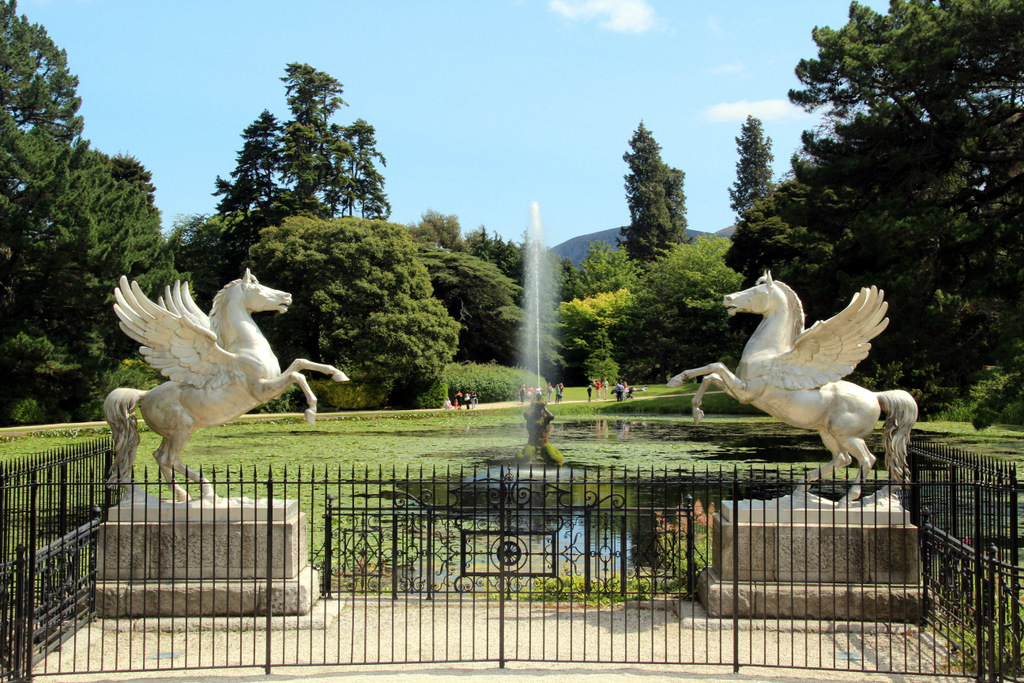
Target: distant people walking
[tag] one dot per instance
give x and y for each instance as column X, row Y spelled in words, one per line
column 550, row 389
column 590, row 390
column 559, row 388
column 472, row 398
column 618, row 391
column 522, row 393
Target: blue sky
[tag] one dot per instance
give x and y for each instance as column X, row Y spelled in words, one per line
column 481, row 107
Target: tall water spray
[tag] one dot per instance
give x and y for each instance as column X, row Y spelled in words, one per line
column 537, row 295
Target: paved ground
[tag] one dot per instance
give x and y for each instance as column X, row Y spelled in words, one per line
column 381, row 630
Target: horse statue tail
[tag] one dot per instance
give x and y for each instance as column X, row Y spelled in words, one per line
column 901, row 413
column 119, row 412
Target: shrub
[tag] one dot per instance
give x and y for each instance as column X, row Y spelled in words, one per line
column 26, row 411
column 492, row 382
column 349, row 395
column 429, row 395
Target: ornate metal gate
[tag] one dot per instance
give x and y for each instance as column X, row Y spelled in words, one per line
column 513, row 535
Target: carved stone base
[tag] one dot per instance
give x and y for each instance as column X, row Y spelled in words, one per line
column 211, row 559
column 811, row 559
column 194, row 598
column 827, row 601
column 201, row 549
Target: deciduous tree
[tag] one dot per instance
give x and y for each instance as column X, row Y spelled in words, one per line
column 363, row 301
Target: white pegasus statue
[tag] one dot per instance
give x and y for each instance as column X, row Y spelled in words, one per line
column 219, row 366
column 794, row 374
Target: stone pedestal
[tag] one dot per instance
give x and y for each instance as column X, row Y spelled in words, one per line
column 171, row 560
column 814, row 560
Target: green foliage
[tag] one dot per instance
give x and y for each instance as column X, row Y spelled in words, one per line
column 585, row 330
column 754, row 168
column 677, row 319
column 654, row 193
column 481, row 299
column 74, row 220
column 135, row 374
column 349, row 395
column 200, row 245
column 363, row 300
column 605, row 270
column 365, row 187
column 438, row 230
column 507, row 256
column 429, row 394
column 26, row 411
column 493, row 383
column 291, row 401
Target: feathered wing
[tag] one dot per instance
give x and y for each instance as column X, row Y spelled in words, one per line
column 829, row 350
column 175, row 335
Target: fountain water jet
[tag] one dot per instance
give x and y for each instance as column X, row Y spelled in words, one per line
column 537, row 296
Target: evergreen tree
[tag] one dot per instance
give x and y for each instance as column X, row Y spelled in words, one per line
column 250, row 201
column 366, row 184
column 314, row 150
column 754, row 167
column 72, row 220
column 654, row 193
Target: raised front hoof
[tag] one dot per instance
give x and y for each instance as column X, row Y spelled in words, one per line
column 677, row 381
column 310, row 416
column 698, row 415
column 339, row 376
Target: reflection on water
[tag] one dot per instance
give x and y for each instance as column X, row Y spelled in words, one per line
column 660, row 441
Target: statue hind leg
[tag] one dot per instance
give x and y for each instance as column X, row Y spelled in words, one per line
column 168, row 458
column 866, row 458
column 840, row 458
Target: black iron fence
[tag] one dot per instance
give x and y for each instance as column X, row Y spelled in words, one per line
column 514, row 564
column 49, row 514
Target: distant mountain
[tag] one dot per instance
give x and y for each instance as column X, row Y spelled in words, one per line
column 576, row 248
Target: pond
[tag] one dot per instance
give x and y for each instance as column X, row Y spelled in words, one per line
column 650, row 441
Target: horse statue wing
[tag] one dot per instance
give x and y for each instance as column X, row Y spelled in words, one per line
column 831, row 349
column 176, row 336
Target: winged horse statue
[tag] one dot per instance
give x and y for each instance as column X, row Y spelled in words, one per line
column 795, row 375
column 219, row 367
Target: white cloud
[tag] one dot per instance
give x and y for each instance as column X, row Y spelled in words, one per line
column 765, row 110
column 728, row 69
column 623, row 16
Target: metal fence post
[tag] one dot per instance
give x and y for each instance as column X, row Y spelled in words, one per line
column 326, row 587
column 691, row 573
column 21, row 652
column 989, row 600
column 979, row 586
column 735, row 574
column 926, row 574
column 270, row 572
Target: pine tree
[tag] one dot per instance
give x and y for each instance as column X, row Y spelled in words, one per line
column 366, row 184
column 654, row 193
column 753, row 170
column 314, row 150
